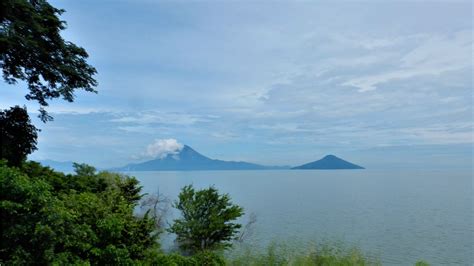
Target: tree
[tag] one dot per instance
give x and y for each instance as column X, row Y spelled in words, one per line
column 158, row 206
column 50, row 218
column 27, row 209
column 32, row 50
column 17, row 135
column 83, row 169
column 206, row 222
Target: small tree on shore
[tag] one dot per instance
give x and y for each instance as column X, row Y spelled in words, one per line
column 207, row 220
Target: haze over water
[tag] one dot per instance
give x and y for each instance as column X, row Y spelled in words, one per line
column 400, row 216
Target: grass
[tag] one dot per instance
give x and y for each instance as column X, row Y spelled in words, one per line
column 282, row 255
column 277, row 254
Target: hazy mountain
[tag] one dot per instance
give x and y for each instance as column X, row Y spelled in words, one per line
column 329, row 162
column 188, row 159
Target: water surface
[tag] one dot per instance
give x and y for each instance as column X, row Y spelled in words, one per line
column 399, row 216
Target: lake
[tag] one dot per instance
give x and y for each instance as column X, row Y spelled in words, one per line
column 400, row 216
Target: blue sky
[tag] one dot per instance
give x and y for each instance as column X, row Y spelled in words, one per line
column 266, row 82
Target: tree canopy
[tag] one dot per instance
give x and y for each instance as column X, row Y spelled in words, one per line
column 206, row 222
column 52, row 218
column 18, row 137
column 32, row 50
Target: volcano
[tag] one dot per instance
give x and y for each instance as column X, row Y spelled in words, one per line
column 329, row 162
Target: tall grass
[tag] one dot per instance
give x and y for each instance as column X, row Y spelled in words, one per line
column 277, row 254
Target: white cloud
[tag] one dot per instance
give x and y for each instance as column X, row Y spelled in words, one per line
column 153, row 117
column 442, row 133
column 434, row 56
column 160, row 148
column 137, row 129
column 224, row 136
column 239, row 78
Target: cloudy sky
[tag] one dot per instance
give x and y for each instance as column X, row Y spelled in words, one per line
column 266, row 82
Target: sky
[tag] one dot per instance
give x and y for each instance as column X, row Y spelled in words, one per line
column 271, row 82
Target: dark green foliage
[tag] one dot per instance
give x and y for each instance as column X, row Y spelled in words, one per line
column 130, row 189
column 174, row 260
column 29, row 214
column 55, row 179
column 83, row 169
column 17, row 135
column 32, row 50
column 49, row 217
column 209, row 258
column 206, row 222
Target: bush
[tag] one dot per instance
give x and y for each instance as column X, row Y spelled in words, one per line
column 174, row 260
column 208, row 258
column 282, row 255
column 205, row 258
column 52, row 218
column 206, row 222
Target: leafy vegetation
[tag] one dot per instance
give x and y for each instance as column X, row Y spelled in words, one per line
column 281, row 254
column 32, row 50
column 88, row 217
column 17, row 135
column 206, row 222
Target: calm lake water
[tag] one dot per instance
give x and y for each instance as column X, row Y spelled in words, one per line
column 399, row 216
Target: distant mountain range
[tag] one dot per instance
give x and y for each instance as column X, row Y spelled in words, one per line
column 187, row 159
column 329, row 162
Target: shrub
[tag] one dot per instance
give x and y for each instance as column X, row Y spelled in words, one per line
column 52, row 218
column 282, row 255
column 208, row 258
column 206, row 222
